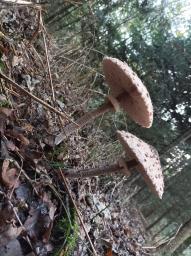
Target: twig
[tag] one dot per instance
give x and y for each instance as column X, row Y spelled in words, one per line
column 37, row 30
column 24, row 173
column 42, row 28
column 173, row 237
column 62, row 114
column 37, row 54
column 99, row 212
column 78, row 212
column 17, row 179
column 81, row 64
column 18, row 218
column 167, row 241
column 47, row 58
column 22, row 2
column 116, row 185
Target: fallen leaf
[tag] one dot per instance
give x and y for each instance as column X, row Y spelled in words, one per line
column 49, row 220
column 9, row 234
column 6, row 111
column 16, row 134
column 109, row 252
column 9, row 175
column 10, row 145
column 3, row 120
column 28, row 127
column 40, row 221
column 4, row 49
column 16, row 61
column 6, row 216
column 31, row 224
column 13, row 248
column 23, row 193
column 4, row 151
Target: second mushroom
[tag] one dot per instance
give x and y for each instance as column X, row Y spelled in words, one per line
column 141, row 156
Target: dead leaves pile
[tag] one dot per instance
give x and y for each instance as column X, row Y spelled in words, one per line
column 115, row 230
column 27, row 210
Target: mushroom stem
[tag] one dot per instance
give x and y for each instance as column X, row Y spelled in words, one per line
column 103, row 170
column 89, row 116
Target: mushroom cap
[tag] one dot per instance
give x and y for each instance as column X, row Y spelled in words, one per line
column 121, row 78
column 147, row 158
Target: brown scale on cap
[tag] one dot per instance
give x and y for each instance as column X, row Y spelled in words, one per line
column 121, row 79
column 147, row 158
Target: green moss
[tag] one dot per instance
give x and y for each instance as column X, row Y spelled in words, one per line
column 53, row 157
column 57, row 165
column 4, row 104
column 58, row 150
column 69, row 234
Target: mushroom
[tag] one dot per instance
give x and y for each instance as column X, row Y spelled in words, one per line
column 143, row 157
column 127, row 91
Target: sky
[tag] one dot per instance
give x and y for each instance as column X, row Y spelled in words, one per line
column 180, row 12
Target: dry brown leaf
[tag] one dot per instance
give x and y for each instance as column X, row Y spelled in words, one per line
column 4, row 49
column 9, row 175
column 17, row 135
column 28, row 127
column 40, row 221
column 49, row 221
column 3, row 120
column 10, row 145
column 109, row 252
column 4, row 151
column 9, row 234
column 6, row 216
column 13, row 248
column 6, row 111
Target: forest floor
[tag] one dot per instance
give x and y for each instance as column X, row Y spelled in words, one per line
column 37, row 215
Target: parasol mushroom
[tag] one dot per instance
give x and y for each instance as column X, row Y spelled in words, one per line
column 127, row 92
column 143, row 157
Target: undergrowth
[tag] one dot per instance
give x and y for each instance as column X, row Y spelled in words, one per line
column 66, row 231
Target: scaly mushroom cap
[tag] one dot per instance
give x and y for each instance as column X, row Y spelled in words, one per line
column 147, row 158
column 121, row 78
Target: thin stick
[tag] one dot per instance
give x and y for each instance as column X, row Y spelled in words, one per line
column 47, row 58
column 78, row 212
column 22, row 2
column 163, row 242
column 17, row 217
column 173, row 237
column 17, row 2
column 62, row 114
